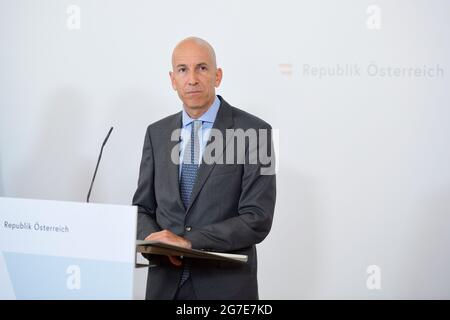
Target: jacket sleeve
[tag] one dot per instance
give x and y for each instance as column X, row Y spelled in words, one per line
column 253, row 220
column 144, row 197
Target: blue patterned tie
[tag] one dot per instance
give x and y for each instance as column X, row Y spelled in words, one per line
column 190, row 164
column 188, row 174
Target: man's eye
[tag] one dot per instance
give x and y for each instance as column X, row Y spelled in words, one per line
column 182, row 70
column 203, row 68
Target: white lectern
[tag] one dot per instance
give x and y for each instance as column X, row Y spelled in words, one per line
column 66, row 250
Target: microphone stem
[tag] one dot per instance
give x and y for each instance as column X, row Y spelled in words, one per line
column 98, row 162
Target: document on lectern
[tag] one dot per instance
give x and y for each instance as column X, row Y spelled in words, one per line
column 156, row 247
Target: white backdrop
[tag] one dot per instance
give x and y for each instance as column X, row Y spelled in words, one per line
column 364, row 173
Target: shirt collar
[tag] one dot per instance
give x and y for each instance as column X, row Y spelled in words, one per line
column 208, row 116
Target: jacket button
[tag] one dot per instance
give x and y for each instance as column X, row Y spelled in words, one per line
column 187, row 228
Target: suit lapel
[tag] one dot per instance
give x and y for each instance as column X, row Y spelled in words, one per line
column 172, row 168
column 224, row 120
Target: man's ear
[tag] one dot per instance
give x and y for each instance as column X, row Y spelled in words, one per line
column 219, row 74
column 172, row 80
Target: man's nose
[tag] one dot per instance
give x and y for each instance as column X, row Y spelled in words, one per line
column 192, row 79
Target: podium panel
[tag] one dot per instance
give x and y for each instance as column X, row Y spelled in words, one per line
column 66, row 250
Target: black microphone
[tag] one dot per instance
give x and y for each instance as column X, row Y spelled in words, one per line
column 98, row 162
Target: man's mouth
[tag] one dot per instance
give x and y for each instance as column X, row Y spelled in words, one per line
column 193, row 92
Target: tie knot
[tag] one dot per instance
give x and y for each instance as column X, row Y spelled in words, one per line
column 196, row 124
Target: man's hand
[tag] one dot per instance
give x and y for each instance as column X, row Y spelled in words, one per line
column 169, row 237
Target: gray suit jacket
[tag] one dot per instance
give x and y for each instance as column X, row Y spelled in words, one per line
column 231, row 210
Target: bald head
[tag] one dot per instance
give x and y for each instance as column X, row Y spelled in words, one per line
column 195, row 75
column 191, row 44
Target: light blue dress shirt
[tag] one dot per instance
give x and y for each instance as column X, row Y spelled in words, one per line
column 207, row 119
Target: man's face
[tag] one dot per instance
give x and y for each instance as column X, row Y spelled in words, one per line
column 194, row 75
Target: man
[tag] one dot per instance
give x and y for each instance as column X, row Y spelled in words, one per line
column 224, row 207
